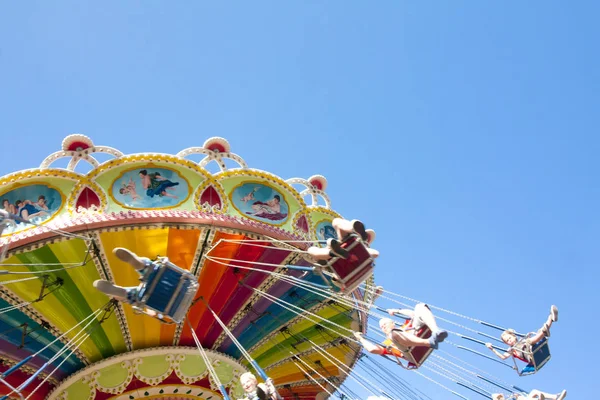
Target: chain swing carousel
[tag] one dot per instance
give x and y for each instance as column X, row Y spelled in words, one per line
column 227, row 286
column 148, row 276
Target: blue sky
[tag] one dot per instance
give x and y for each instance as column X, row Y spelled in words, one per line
column 461, row 131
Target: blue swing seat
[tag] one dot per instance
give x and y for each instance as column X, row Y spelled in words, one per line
column 167, row 289
column 539, row 356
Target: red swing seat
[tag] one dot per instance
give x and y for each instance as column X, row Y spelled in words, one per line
column 417, row 355
column 349, row 273
column 414, row 356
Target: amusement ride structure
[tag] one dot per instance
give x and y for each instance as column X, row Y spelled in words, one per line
column 230, row 286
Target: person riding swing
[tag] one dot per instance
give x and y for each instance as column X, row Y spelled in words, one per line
column 258, row 391
column 166, row 291
column 525, row 348
column 413, row 341
column 349, row 259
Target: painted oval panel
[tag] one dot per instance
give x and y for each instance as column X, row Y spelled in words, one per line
column 150, row 188
column 260, row 202
column 36, row 203
column 324, row 231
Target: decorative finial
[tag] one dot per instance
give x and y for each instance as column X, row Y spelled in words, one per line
column 217, row 144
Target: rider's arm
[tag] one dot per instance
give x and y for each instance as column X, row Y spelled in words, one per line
column 401, row 312
column 502, row 356
column 369, row 346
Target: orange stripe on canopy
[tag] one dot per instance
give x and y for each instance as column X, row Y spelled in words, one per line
column 210, row 276
column 229, row 284
column 182, row 247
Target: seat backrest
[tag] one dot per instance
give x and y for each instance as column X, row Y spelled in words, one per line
column 353, row 270
column 169, row 288
column 418, row 354
column 541, row 353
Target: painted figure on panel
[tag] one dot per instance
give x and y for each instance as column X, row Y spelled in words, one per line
column 325, row 231
column 129, row 189
column 150, row 188
column 261, row 202
column 157, row 185
column 35, row 203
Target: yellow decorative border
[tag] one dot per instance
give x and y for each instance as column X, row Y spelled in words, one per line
column 63, row 202
column 150, row 158
column 230, row 197
column 265, row 175
column 16, row 177
column 153, row 166
column 314, row 209
column 203, row 186
column 282, row 186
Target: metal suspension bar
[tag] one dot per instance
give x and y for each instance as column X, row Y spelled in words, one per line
column 496, row 384
column 483, row 355
column 211, row 371
column 487, row 396
column 480, row 342
column 500, row 328
column 54, row 358
column 246, row 355
column 299, row 268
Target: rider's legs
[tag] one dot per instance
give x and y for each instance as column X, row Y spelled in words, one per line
column 545, row 329
column 424, row 316
column 344, row 227
column 137, row 262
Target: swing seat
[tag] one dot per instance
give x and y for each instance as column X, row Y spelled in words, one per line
column 414, row 356
column 350, row 272
column 539, row 355
column 417, row 355
column 166, row 289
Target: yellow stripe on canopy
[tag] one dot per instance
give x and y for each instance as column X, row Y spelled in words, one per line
column 302, row 325
column 287, row 370
column 179, row 245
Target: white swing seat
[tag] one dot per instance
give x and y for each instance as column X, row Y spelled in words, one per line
column 166, row 289
column 350, row 272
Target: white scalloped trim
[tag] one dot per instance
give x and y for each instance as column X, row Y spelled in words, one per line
column 132, row 360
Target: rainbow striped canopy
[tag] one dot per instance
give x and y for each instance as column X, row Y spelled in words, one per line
column 235, row 229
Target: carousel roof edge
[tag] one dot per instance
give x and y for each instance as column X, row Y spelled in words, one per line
column 151, row 218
